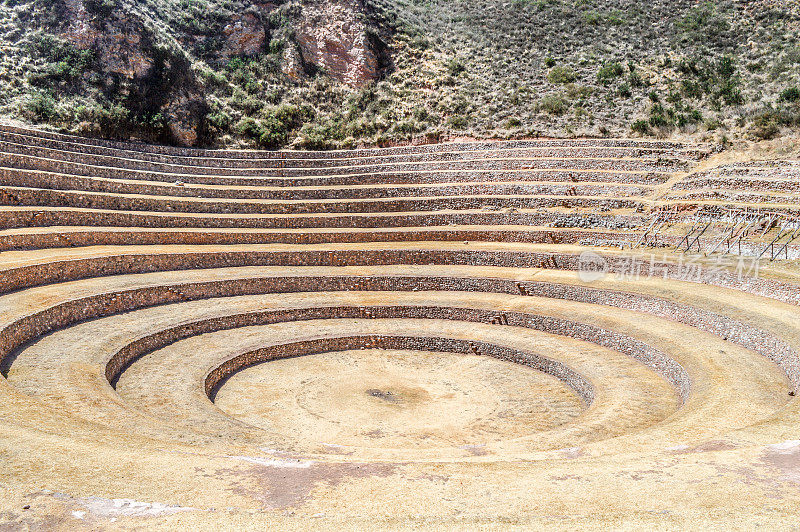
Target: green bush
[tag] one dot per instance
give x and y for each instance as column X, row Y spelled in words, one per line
column 40, row 107
column 615, row 18
column 459, row 122
column 561, row 75
column 576, row 92
column 716, row 79
column 791, row 94
column 249, row 127
column 553, row 104
column 325, row 136
column 641, row 126
column 765, row 126
column 636, row 80
column 692, row 89
column 219, row 120
column 609, row 71
column 730, row 93
column 659, row 120
column 274, row 132
column 661, row 117
column 455, row 66
column 63, row 62
column 690, row 118
column 592, row 18
column 273, row 129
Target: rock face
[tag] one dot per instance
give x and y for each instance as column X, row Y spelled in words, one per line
column 118, row 45
column 148, row 69
column 332, row 36
column 151, row 79
column 245, row 34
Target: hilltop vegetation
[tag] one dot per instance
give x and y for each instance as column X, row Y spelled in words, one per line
column 325, row 74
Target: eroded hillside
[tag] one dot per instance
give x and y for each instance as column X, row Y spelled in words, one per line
column 314, row 74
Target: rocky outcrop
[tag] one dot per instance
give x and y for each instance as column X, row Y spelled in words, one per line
column 332, row 36
column 150, row 79
column 117, row 42
column 134, row 71
column 246, row 33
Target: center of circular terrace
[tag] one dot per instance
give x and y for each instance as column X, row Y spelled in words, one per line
column 397, row 399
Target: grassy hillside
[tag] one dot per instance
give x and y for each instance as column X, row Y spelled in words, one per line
column 480, row 68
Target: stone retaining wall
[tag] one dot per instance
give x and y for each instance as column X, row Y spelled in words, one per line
column 33, row 179
column 81, row 268
column 71, row 152
column 176, row 172
column 63, row 315
column 17, row 196
column 63, row 239
column 462, row 146
column 217, row 376
column 46, row 217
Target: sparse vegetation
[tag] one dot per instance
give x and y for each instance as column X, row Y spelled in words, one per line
column 457, row 67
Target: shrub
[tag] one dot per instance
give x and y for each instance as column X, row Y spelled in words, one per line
column 730, row 93
column 455, row 66
column 692, row 89
column 615, row 18
column 325, row 136
column 661, row 117
column 690, row 118
column 726, row 67
column 553, row 104
column 458, row 122
column 636, row 80
column 248, row 127
column 560, row 75
column 219, row 120
column 765, row 125
column 40, row 107
column 64, row 63
column 549, row 62
column 641, row 126
column 659, row 120
column 592, row 17
column 609, row 71
column 406, row 127
column 578, row 92
column 419, row 42
column 272, row 131
column 792, row 94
